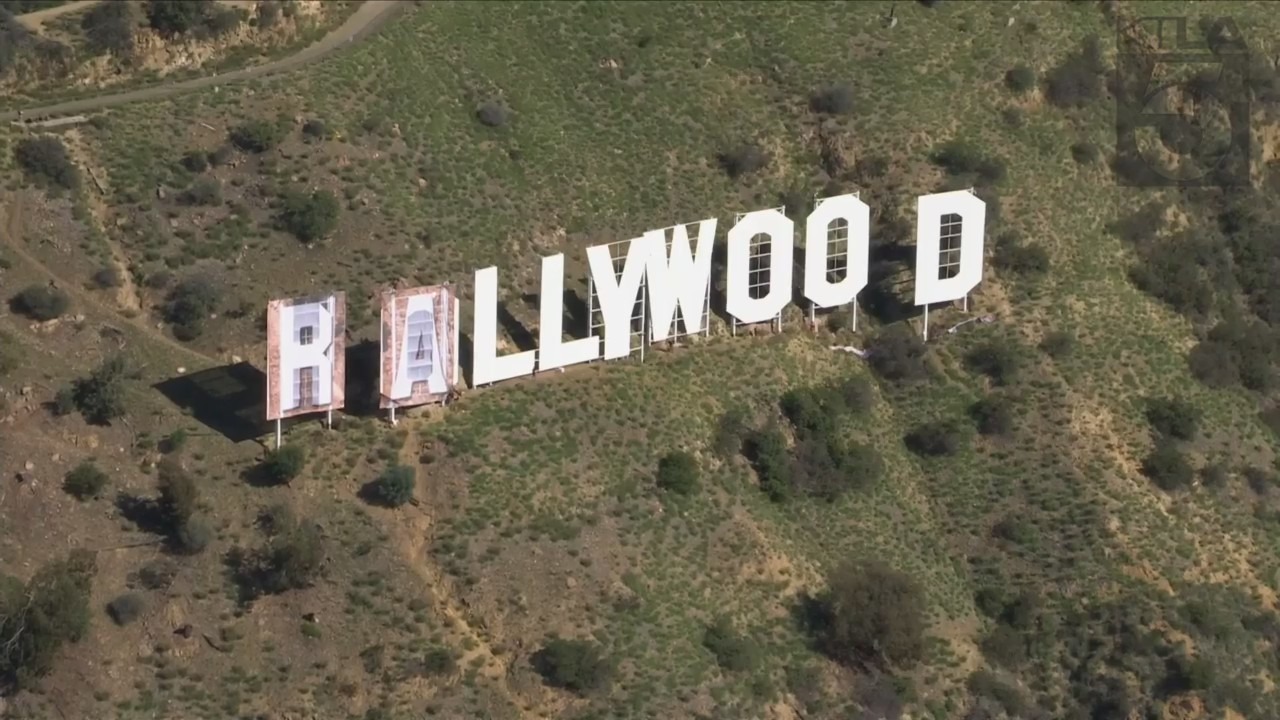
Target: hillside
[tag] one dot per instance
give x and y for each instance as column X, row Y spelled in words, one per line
column 1068, row 512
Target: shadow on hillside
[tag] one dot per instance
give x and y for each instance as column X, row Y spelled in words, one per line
column 361, row 384
column 519, row 334
column 230, row 400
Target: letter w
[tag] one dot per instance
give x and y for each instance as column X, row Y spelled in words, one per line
column 680, row 279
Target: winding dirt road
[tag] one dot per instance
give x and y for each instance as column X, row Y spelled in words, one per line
column 367, row 19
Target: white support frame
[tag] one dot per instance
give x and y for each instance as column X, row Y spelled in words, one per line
column 776, row 322
column 639, row 313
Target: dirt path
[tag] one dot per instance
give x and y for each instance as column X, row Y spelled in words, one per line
column 13, row 239
column 367, row 19
column 127, row 293
column 414, row 529
column 34, row 21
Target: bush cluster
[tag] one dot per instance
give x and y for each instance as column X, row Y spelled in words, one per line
column 285, row 463
column 85, row 481
column 937, row 438
column 38, row 618
column 394, row 487
column 257, row 136
column 960, row 158
column 45, row 160
column 202, row 18
column 40, row 302
column 1078, row 80
column 576, row 665
column 99, row 397
column 190, row 304
column 871, row 614
column 108, row 28
column 309, row 216
column 678, row 473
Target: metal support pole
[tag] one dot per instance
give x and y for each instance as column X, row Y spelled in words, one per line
column 855, row 316
column 392, row 410
column 277, row 433
column 926, row 322
column 328, row 419
column 966, row 302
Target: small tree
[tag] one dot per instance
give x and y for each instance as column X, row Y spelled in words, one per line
column 678, row 473
column 257, row 136
column 100, row 397
column 309, row 217
column 108, row 28
column 194, row 535
column 1020, row 78
column 40, row 302
column 1173, row 417
column 290, row 560
column 179, row 494
column 394, row 487
column 767, row 451
column 191, row 303
column 833, row 100
column 85, row 481
column 992, row 416
column 898, row 354
column 874, row 613
column 743, row 160
column 1168, row 467
column 197, row 161
column 204, row 191
column 575, row 665
column 732, row 650
column 36, row 621
column 45, row 159
column 493, row 113
column 285, row 463
column 997, row 360
column 933, row 439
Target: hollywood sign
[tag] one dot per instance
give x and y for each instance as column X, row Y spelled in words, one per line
column 667, row 272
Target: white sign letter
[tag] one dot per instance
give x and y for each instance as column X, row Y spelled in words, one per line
column 681, row 279
column 486, row 366
column 855, row 215
column 949, row 231
column 780, row 234
column 553, row 352
column 617, row 295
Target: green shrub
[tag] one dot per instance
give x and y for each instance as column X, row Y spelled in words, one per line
column 1173, row 418
column 126, row 608
column 833, row 100
column 1085, row 153
column 285, row 463
column 179, row 494
column 493, row 113
column 38, row 619
column 1058, row 344
column 315, row 129
column 309, row 217
column 959, row 158
column 678, row 473
column 256, row 136
column 439, row 661
column 204, row 191
column 898, row 354
column 10, row 354
column 1079, row 79
column 1005, row 647
column 394, row 487
column 197, row 161
column 934, row 439
column 732, row 650
column 157, row 574
column 992, row 415
column 290, row 560
column 40, row 302
column 766, row 450
column 1016, row 257
column 743, row 160
column 107, row 278
column 99, row 397
column 872, row 613
column 575, row 665
column 1020, row 78
column 194, row 535
column 85, row 481
column 45, row 160
column 1168, row 467
column 996, row 359
column 190, row 304
column 108, row 28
